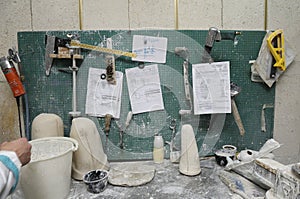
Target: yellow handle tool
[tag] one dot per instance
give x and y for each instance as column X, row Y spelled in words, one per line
column 276, row 45
column 74, row 43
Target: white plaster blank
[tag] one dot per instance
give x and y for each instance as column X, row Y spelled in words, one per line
column 131, row 174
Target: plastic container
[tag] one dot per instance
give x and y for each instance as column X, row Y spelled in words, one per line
column 222, row 154
column 158, row 149
column 48, row 175
column 96, row 180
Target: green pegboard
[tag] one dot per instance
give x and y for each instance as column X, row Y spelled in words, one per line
column 53, row 94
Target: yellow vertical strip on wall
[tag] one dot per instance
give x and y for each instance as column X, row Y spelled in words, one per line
column 266, row 14
column 80, row 14
column 176, row 13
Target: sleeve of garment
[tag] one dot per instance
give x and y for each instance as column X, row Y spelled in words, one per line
column 10, row 166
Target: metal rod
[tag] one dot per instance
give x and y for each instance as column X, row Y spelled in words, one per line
column 19, row 101
column 74, row 90
column 74, row 85
column 74, row 68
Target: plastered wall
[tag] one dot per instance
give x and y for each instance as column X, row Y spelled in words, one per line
column 27, row 15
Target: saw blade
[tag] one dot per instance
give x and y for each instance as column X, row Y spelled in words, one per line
column 50, row 45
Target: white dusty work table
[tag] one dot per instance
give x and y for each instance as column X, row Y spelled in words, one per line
column 167, row 183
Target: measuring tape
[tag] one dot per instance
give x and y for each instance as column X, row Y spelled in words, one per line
column 100, row 49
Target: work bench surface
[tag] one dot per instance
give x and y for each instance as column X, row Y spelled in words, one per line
column 167, row 183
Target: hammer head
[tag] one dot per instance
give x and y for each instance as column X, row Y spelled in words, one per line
column 234, row 89
column 213, row 35
column 182, row 52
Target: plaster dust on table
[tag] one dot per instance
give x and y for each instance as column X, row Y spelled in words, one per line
column 167, row 183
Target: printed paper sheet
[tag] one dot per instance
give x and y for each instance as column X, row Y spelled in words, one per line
column 144, row 89
column 211, row 88
column 149, row 49
column 103, row 98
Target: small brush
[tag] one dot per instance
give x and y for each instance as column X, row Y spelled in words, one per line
column 128, row 119
column 107, row 126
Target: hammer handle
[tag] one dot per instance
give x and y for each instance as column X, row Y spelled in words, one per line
column 237, row 117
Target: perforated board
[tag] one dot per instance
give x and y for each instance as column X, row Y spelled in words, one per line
column 53, row 94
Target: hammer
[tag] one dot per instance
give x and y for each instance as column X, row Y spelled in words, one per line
column 235, row 90
column 214, row 35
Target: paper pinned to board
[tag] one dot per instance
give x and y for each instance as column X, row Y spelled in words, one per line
column 102, row 97
column 144, row 89
column 211, row 88
column 263, row 64
column 149, row 49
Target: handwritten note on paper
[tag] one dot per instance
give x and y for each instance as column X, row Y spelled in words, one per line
column 144, row 89
column 103, row 98
column 149, row 49
column 211, row 88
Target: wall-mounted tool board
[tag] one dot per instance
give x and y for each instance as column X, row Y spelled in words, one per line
column 53, row 94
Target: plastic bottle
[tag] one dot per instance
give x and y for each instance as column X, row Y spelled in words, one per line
column 158, row 149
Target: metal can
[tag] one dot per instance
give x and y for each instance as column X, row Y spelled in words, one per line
column 12, row 77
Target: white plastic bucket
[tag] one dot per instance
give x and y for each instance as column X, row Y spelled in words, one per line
column 48, row 175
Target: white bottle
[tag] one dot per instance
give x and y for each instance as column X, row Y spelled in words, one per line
column 158, row 149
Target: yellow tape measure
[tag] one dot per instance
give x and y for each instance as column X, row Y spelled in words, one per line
column 276, row 45
column 101, row 49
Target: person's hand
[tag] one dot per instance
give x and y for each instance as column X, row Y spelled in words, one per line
column 21, row 147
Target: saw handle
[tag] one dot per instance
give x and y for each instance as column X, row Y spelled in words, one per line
column 237, row 117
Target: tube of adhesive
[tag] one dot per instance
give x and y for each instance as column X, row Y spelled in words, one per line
column 158, row 149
